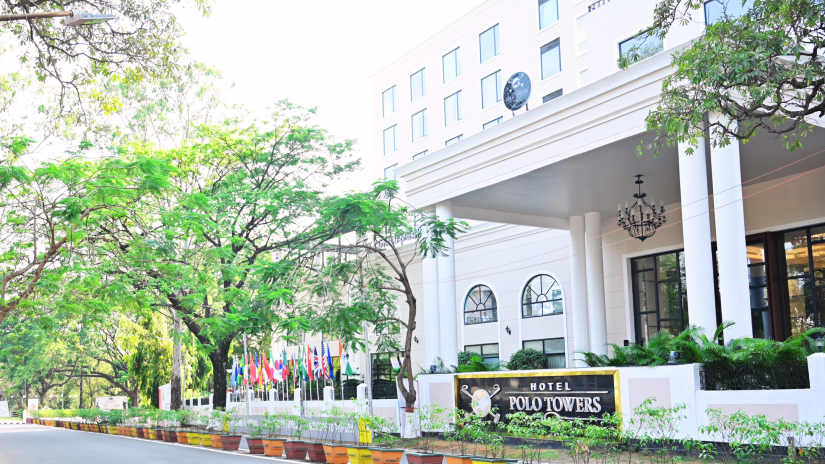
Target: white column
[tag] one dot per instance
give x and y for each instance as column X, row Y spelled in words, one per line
column 731, row 252
column 578, row 271
column 693, row 182
column 595, row 283
column 446, row 293
column 432, row 333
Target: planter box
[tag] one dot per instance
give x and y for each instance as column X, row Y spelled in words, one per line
column 315, row 450
column 216, row 440
column 194, row 438
column 230, row 442
column 424, row 458
column 256, row 445
column 360, row 455
column 182, row 438
column 273, row 447
column 386, row 455
column 295, row 449
column 171, row 436
column 458, row 459
column 206, row 440
column 335, row 454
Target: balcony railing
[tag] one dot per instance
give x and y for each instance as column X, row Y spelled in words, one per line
column 596, row 5
column 755, row 378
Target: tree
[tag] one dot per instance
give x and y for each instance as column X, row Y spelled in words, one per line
column 762, row 71
column 363, row 283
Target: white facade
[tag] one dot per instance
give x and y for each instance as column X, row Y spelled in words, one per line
column 541, row 190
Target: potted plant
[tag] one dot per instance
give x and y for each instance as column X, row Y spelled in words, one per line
column 356, row 424
column 232, row 440
column 255, row 440
column 315, row 449
column 272, row 424
column 206, row 438
column 169, row 433
column 430, row 419
column 297, row 448
column 334, row 451
column 216, row 418
column 383, row 431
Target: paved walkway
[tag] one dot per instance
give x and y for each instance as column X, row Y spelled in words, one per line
column 26, row 443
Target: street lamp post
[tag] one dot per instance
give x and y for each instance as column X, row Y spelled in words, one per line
column 73, row 18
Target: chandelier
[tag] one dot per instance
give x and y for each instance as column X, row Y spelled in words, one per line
column 641, row 219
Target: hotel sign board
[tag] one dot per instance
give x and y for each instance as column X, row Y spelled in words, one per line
column 565, row 394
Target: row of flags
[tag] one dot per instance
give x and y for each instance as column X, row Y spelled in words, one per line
column 257, row 369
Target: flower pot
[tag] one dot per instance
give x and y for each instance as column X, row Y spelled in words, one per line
column 256, row 445
column 386, row 455
column 194, row 438
column 360, row 455
column 424, row 458
column 295, row 449
column 315, row 450
column 139, row 432
column 206, row 440
column 182, row 438
column 171, row 436
column 409, row 409
column 335, row 454
column 273, row 447
column 458, row 459
column 230, row 442
column 215, row 438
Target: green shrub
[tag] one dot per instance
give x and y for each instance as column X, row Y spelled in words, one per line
column 466, row 357
column 527, row 359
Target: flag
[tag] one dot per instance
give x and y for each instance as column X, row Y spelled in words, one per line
column 294, row 367
column 316, row 363
column 258, row 372
column 244, row 370
column 310, row 369
column 264, row 368
column 324, row 366
column 286, row 371
column 330, row 370
column 253, row 370
column 234, row 371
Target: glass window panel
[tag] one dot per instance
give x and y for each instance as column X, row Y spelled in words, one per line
column 473, row 348
column 537, row 345
column 491, row 90
column 451, row 63
column 818, row 234
column 818, row 250
column 645, row 288
column 761, row 323
column 492, row 123
column 796, row 253
column 717, row 9
column 541, row 297
column 389, row 172
column 800, row 305
column 756, row 275
column 453, row 140
column 389, row 140
column 452, row 109
column 548, row 12
column 820, row 304
column 388, row 99
column 489, row 43
column 759, row 297
column 670, row 300
column 556, row 361
column 552, row 96
column 648, row 45
column 648, row 325
column 554, row 345
column 419, row 155
column 419, row 125
column 418, row 84
column 668, row 267
column 550, row 59
column 756, row 252
column 674, row 327
column 642, row 263
column 489, row 349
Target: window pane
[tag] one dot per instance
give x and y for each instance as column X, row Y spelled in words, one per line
column 756, row 252
column 453, row 140
column 717, row 9
column 648, row 325
column 452, row 109
column 674, row 327
column 556, row 361
column 548, row 12
column 419, row 155
column 489, row 43
column 761, row 323
column 492, row 123
column 668, row 268
column 759, row 297
column 670, row 300
column 451, row 63
column 419, row 125
column 537, row 345
column 796, row 252
column 473, row 349
column 644, row 285
column 800, row 305
column 418, row 84
column 389, row 140
column 648, row 45
column 642, row 263
column 756, row 275
column 489, row 349
column 550, row 59
column 552, row 96
column 389, row 101
column 491, row 90
column 554, row 346
column 389, row 173
column 818, row 250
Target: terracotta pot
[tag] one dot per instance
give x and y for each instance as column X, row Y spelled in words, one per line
column 336, row 454
column 424, row 458
column 171, row 436
column 458, row 459
column 359, row 455
column 295, row 449
column 206, row 440
column 386, row 455
column 409, row 409
column 256, row 445
column 230, row 442
column 182, row 438
column 215, row 438
column 273, row 447
column 139, row 431
column 315, row 450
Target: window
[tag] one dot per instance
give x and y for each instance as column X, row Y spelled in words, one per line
column 418, row 84
column 548, row 12
column 582, row 78
column 389, row 172
column 491, row 90
column 451, row 65
column 550, row 59
column 804, row 277
column 419, row 125
column 488, row 43
column 580, row 34
column 480, row 306
column 659, row 294
column 718, row 9
column 389, row 140
column 552, row 347
column 419, row 155
column 758, row 287
column 488, row 352
column 453, row 140
column 541, row 297
column 492, row 123
column 643, row 45
column 453, row 109
column 388, row 100
column 383, row 381
column 551, row 96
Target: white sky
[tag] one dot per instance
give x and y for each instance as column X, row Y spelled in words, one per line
column 316, row 53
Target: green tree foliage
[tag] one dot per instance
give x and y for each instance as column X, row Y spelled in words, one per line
column 763, row 71
column 527, row 359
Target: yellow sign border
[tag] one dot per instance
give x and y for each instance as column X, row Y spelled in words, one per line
column 617, row 391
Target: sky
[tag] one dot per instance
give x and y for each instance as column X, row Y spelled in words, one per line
column 317, row 53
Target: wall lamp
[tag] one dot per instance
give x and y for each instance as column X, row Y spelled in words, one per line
column 416, row 339
column 507, row 329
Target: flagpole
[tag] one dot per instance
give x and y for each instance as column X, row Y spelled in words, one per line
column 246, row 392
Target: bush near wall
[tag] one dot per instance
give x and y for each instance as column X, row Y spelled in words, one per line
column 527, row 359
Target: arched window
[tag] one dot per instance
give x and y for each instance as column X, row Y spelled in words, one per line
column 541, row 297
column 480, row 306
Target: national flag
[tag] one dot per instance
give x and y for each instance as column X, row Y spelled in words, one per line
column 258, row 372
column 330, row 370
column 316, row 363
column 324, row 367
column 294, row 367
column 265, row 368
column 310, row 369
column 253, row 370
column 234, row 371
column 286, row 371
column 244, row 369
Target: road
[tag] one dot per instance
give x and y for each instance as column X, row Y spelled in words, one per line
column 26, row 443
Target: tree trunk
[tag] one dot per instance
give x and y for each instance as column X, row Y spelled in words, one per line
column 176, row 363
column 134, row 397
column 219, row 358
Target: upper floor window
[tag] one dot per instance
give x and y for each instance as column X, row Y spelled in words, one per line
column 480, row 306
column 643, row 46
column 418, row 84
column 718, row 9
column 451, row 65
column 388, row 101
column 803, row 273
column 419, row 125
column 389, row 172
column 453, row 140
column 453, row 109
column 419, row 155
column 541, row 297
column 548, row 12
column 492, row 123
column 553, row 348
column 390, row 144
column 551, row 96
column 489, row 353
column 489, row 44
column 550, row 59
column 659, row 294
column 491, row 90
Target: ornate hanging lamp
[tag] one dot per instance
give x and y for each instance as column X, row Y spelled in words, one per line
column 641, row 219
